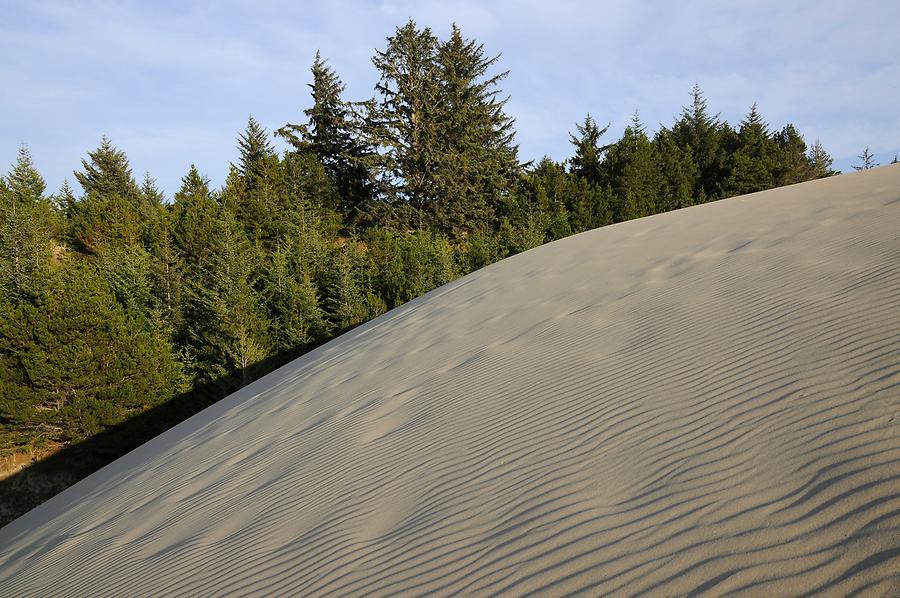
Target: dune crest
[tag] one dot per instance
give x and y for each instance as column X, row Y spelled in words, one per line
column 584, row 417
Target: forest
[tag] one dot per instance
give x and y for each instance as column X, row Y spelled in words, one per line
column 120, row 305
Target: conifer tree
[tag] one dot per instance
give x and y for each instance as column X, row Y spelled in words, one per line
column 107, row 173
column 633, row 174
column 333, row 133
column 476, row 160
column 252, row 191
column 24, row 181
column 751, row 164
column 72, row 363
column 25, row 229
column 700, row 131
column 868, row 160
column 678, row 172
column 447, row 145
column 254, row 148
column 791, row 164
column 588, row 157
column 65, row 200
column 297, row 320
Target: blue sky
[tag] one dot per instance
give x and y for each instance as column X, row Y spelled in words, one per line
column 172, row 83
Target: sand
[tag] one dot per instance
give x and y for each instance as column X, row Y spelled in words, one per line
column 701, row 402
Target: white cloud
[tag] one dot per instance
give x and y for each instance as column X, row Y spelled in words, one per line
column 174, row 83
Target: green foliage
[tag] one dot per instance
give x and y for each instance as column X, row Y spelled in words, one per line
column 26, row 226
column 73, row 363
column 588, row 151
column 447, row 145
column 350, row 298
column 633, row 175
column 334, row 135
column 107, row 173
column 296, row 319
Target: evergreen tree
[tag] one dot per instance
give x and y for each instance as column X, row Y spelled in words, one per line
column 700, row 132
column 25, row 229
column 447, row 144
column 72, row 363
column 254, row 148
column 404, row 123
column 677, row 172
column 750, row 165
column 633, row 174
column 792, row 163
column 65, row 200
column 588, row 152
column 333, row 135
column 350, row 299
column 107, row 173
column 24, row 181
column 251, row 190
column 476, row 161
column 297, row 321
column 868, row 160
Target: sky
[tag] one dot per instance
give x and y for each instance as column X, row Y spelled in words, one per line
column 172, row 83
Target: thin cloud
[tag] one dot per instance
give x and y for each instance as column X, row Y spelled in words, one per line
column 173, row 83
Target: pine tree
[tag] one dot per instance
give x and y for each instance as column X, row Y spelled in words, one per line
column 751, row 164
column 405, row 122
column 24, row 181
column 476, row 158
column 107, row 173
column 588, row 152
column 65, row 200
column 253, row 193
column 72, row 363
column 632, row 169
column 868, row 160
column 297, row 321
column 792, row 165
column 677, row 170
column 701, row 132
column 254, row 148
column 25, row 229
column 333, row 135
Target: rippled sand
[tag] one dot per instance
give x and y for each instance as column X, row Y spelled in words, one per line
column 701, row 402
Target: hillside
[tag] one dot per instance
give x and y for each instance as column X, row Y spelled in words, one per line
column 585, row 416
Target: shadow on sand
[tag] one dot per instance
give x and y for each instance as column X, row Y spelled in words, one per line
column 41, row 480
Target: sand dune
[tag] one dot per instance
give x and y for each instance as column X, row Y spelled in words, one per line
column 701, row 402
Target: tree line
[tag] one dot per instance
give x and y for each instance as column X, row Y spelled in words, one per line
column 115, row 300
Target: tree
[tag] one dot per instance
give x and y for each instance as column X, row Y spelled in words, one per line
column 251, row 190
column 333, row 134
column 751, row 163
column 297, row 321
column 25, row 229
column 476, row 161
column 107, row 173
column 820, row 162
column 677, row 172
column 447, row 145
column 633, row 174
column 24, row 181
column 254, row 148
column 404, row 122
column 792, row 164
column 868, row 160
column 588, row 151
column 701, row 132
column 350, row 300
column 72, row 363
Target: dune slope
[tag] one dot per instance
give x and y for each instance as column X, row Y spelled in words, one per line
column 701, row 402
